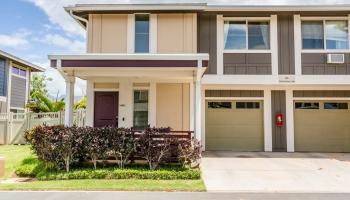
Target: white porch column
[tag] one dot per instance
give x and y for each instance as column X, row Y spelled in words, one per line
column 290, row 120
column 192, row 105
column 125, row 116
column 267, row 121
column 152, row 105
column 68, row 113
column 89, row 103
column 198, row 107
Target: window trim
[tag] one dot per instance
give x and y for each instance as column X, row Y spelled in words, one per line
column 324, row 19
column 248, row 19
column 21, row 68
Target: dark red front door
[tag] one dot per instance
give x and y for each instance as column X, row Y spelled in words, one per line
column 106, row 109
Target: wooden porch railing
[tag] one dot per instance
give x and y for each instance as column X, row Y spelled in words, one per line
column 172, row 134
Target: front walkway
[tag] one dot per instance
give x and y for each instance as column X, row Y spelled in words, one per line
column 276, row 172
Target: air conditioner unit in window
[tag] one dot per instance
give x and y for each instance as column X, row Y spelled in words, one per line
column 335, row 58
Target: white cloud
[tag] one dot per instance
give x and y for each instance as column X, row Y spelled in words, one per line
column 16, row 40
column 54, row 9
column 63, row 42
column 57, row 86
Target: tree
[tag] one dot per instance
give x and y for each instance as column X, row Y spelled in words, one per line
column 38, row 84
column 81, row 104
column 40, row 102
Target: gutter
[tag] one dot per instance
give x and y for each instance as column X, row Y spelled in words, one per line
column 79, row 19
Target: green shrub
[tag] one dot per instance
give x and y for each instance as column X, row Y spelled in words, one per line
column 32, row 167
column 63, row 147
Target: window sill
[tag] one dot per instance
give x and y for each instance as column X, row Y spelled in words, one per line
column 248, row 51
column 326, row 51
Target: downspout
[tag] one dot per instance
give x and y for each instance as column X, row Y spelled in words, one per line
column 79, row 20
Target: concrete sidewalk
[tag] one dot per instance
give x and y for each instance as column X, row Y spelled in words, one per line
column 276, row 172
column 165, row 196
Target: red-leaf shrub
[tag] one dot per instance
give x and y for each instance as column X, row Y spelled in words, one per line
column 154, row 146
column 61, row 146
column 122, row 144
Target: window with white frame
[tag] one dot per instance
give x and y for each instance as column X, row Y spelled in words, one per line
column 246, row 35
column 140, row 109
column 325, row 34
column 19, row 72
column 142, row 33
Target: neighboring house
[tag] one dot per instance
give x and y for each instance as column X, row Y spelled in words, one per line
column 14, row 82
column 243, row 75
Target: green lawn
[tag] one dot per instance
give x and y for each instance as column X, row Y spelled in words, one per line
column 13, row 154
column 123, row 185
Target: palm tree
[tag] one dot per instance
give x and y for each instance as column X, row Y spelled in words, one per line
column 41, row 103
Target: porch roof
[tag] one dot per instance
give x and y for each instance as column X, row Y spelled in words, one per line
column 87, row 66
column 129, row 60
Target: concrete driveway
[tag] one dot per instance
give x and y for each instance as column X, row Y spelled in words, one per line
column 276, row 172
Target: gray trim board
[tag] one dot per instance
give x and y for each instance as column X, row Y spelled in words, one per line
column 247, row 63
column 18, row 92
column 321, row 93
column 234, row 93
column 206, row 37
column 316, row 63
column 279, row 134
column 285, row 43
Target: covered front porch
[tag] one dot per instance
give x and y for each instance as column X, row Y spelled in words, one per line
column 136, row 90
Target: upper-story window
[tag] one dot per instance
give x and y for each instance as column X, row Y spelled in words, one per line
column 246, row 35
column 325, row 34
column 141, row 33
column 19, row 72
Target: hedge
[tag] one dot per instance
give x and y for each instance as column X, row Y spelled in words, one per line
column 63, row 147
column 32, row 167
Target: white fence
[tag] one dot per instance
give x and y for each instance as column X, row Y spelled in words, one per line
column 13, row 125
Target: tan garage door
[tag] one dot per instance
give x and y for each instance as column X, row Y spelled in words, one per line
column 322, row 126
column 234, row 125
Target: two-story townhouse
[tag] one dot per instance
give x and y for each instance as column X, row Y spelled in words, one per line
column 15, row 82
column 244, row 76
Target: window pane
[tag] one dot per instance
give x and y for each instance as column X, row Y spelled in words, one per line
column 223, row 105
column 235, row 35
column 337, row 34
column 258, row 35
column 22, row 72
column 141, row 33
column 15, row 70
column 247, row 105
column 312, row 34
column 336, row 106
column 140, row 108
column 307, row 105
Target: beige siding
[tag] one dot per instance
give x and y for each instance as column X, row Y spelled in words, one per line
column 106, row 85
column 177, row 33
column 173, row 106
column 107, row 33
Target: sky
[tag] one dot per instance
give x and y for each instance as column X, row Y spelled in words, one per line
column 32, row 29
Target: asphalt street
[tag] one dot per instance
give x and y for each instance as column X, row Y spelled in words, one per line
column 167, row 196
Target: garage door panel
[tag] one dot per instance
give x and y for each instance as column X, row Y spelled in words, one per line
column 322, row 130
column 236, row 144
column 234, row 129
column 225, row 117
